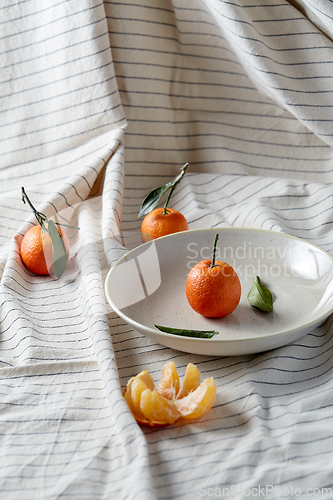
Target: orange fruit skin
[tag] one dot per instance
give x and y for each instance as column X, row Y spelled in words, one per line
column 157, row 224
column 213, row 292
column 36, row 250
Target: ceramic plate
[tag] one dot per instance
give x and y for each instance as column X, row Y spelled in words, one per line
column 147, row 287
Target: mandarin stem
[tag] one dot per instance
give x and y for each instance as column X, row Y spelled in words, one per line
column 214, row 250
column 165, row 208
column 40, row 217
column 183, row 170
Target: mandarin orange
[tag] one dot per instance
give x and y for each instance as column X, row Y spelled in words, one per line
column 37, row 250
column 158, row 223
column 213, row 288
column 213, row 292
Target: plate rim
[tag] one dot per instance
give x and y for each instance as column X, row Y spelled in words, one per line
column 213, row 341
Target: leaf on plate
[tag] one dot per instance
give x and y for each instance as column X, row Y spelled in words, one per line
column 151, row 200
column 203, row 334
column 59, row 257
column 260, row 296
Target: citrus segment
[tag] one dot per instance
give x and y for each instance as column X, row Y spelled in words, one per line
column 169, row 384
column 188, row 400
column 198, row 402
column 147, row 379
column 139, row 417
column 191, row 381
column 157, row 409
column 137, row 388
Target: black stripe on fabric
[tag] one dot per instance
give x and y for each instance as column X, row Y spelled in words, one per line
column 49, row 98
column 65, row 163
column 230, row 137
column 58, row 66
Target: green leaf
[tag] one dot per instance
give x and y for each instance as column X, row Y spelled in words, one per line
column 59, row 258
column 206, row 334
column 260, row 296
column 151, row 200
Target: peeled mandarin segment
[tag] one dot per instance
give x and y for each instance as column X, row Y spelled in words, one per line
column 190, row 401
column 147, row 379
column 169, row 384
column 198, row 402
column 191, row 381
column 139, row 417
column 157, row 409
column 128, row 398
column 137, row 388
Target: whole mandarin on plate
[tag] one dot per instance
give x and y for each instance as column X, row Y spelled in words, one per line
column 213, row 288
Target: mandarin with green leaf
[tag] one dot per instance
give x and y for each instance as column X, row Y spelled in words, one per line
column 162, row 221
column 159, row 223
column 45, row 247
column 37, row 250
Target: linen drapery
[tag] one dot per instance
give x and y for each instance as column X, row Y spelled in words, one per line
column 100, row 103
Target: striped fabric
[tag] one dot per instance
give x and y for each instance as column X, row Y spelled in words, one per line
column 100, row 103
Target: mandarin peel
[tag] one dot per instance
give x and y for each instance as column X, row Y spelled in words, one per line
column 172, row 400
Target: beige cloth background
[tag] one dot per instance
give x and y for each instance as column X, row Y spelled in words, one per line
column 101, row 102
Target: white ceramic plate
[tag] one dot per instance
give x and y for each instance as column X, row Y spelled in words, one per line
column 147, row 287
